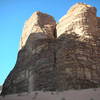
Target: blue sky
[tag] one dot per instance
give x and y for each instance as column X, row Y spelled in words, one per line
column 13, row 14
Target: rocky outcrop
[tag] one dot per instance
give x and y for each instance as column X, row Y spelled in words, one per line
column 80, row 19
column 49, row 63
column 78, row 59
column 34, row 69
column 39, row 24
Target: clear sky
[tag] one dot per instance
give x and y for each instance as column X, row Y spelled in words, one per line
column 13, row 14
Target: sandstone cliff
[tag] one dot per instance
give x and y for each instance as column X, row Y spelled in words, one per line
column 49, row 63
column 78, row 55
column 35, row 62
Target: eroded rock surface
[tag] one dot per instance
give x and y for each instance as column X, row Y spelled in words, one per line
column 78, row 50
column 41, row 25
column 34, row 69
column 81, row 19
column 70, row 61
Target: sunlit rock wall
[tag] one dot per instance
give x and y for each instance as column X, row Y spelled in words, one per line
column 78, row 48
column 49, row 63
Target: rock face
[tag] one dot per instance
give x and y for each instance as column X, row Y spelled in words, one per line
column 34, row 69
column 40, row 23
column 80, row 19
column 49, row 63
column 0, row 89
column 78, row 55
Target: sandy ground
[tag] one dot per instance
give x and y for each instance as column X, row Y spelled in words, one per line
column 86, row 94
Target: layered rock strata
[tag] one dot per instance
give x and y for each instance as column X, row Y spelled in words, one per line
column 49, row 63
column 78, row 55
column 34, row 69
